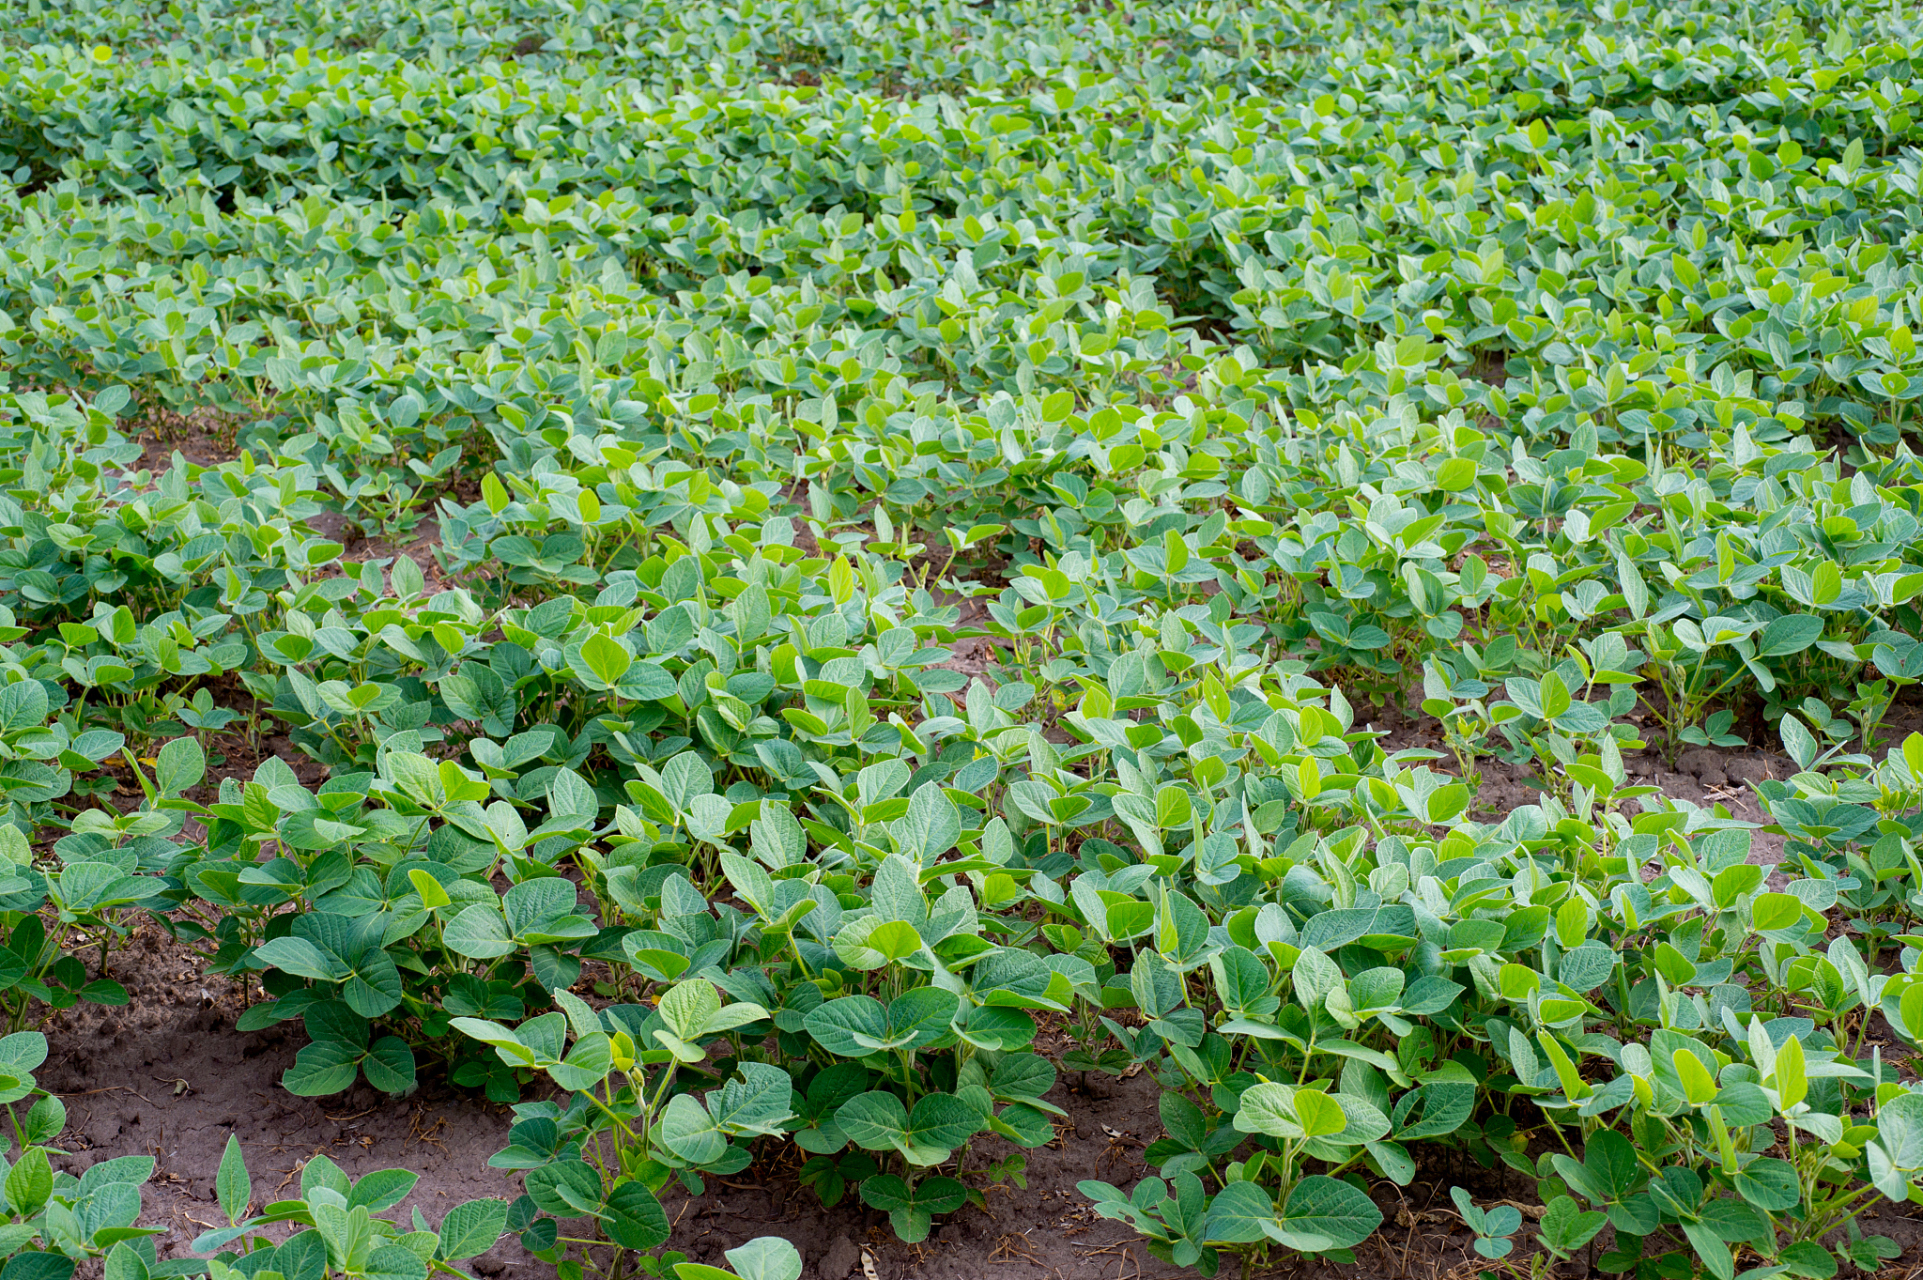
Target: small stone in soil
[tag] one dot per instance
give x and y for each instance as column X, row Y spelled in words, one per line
column 839, row 1260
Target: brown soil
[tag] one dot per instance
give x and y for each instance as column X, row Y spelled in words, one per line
column 168, row 1076
column 204, row 437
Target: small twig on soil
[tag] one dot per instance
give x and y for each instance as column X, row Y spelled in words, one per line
column 113, row 1088
column 1014, row 1247
column 1122, row 1255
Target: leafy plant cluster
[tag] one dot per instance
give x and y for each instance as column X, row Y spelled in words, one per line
column 631, row 425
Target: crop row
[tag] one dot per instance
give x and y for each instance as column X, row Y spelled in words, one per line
column 738, row 372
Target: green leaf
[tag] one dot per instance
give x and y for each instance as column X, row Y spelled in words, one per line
column 841, row 1025
column 1586, row 967
column 1798, row 741
column 1770, row 912
column 1567, row 1227
column 561, row 1188
column 23, row 1051
column 34, row 1265
column 1315, row 976
column 766, row 1258
column 392, row 1262
column 1319, row 1114
column 122, row 1263
column 44, row 1123
column 869, row 942
column 896, row 1198
column 478, row 933
column 874, row 1121
column 1769, row 1184
column 1444, row 1105
column 231, row 1187
column 1455, row 474
column 29, row 1183
column 1024, row 1124
column 1711, row 1250
column 635, row 1218
column 303, row 959
column 382, row 1189
column 686, row 1129
column 322, row 1068
column 925, row 1014
column 608, row 659
column 1554, row 695
column 942, row 1120
column 1792, row 1083
column 587, row 1063
column 470, row 1229
column 1285, row 1111
column 432, row 894
column 1791, row 633
column 1698, row 1085
column 179, row 767
column 1808, row 1259
column 755, row 1101
column 389, row 1065
column 701, row 1271
column 507, row 1043
column 1241, row 1213
column 1610, row 1161
column 1325, row 1213
column 930, row 828
column 1025, row 1076
column 1172, row 808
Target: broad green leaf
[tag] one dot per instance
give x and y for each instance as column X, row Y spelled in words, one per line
column 1326, row 1213
column 472, row 1229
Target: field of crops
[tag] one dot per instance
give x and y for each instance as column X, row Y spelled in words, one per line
column 1047, row 639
